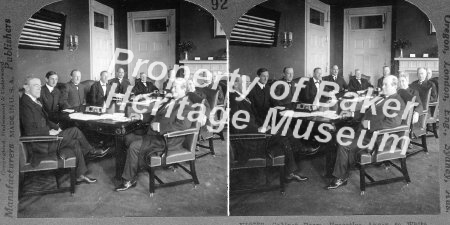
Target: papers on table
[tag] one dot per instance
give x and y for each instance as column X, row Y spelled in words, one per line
column 69, row 110
column 120, row 117
column 326, row 114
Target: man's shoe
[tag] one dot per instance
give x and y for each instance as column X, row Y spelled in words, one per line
column 98, row 153
column 85, row 179
column 126, row 185
column 337, row 183
column 295, row 177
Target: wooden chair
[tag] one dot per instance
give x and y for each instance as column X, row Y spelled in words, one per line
column 261, row 159
column 433, row 118
column 212, row 98
column 186, row 155
column 420, row 130
column 56, row 162
column 383, row 154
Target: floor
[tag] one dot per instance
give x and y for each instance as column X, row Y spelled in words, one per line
column 421, row 196
column 209, row 198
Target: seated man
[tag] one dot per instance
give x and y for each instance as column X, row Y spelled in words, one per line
column 358, row 83
column 142, row 86
column 423, row 86
column 74, row 91
column 100, row 90
column 386, row 72
column 408, row 93
column 288, row 75
column 276, row 142
column 310, row 91
column 52, row 99
column 166, row 120
column 334, row 77
column 34, row 122
column 346, row 155
column 434, row 80
column 122, row 83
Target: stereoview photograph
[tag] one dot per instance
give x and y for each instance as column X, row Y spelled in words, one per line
column 335, row 111
column 122, row 110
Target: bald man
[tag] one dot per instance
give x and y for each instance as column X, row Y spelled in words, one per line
column 423, row 86
column 121, row 81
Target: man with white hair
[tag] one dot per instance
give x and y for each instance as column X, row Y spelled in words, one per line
column 166, row 120
column 358, row 83
column 423, row 86
column 346, row 155
column 35, row 122
column 386, row 72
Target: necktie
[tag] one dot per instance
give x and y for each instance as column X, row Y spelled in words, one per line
column 289, row 83
column 76, row 85
column 39, row 102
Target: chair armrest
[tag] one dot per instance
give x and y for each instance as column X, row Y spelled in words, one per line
column 181, row 133
column 254, row 136
column 433, row 104
column 49, row 138
column 393, row 130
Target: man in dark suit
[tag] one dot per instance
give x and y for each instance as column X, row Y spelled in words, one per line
column 143, row 86
column 408, row 93
column 74, row 91
column 334, row 77
column 51, row 97
column 122, row 83
column 310, row 91
column 100, row 90
column 165, row 120
column 260, row 96
column 346, row 155
column 386, row 72
column 34, row 122
column 358, row 83
column 278, row 144
column 423, row 86
column 288, row 75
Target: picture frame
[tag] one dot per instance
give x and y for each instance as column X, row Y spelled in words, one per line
column 432, row 28
column 218, row 30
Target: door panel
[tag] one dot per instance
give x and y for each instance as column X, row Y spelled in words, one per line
column 317, row 37
column 151, row 37
column 367, row 41
column 102, row 37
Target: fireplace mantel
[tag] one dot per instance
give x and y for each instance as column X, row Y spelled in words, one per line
column 410, row 65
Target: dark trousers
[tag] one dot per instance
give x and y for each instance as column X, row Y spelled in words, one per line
column 135, row 155
column 346, row 155
column 75, row 141
column 290, row 165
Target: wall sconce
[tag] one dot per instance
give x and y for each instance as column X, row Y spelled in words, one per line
column 73, row 42
column 286, row 39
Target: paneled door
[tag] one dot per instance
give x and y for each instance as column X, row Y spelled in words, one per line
column 101, row 19
column 367, row 41
column 317, row 36
column 151, row 36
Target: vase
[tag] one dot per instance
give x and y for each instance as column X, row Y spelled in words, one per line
column 185, row 55
column 401, row 53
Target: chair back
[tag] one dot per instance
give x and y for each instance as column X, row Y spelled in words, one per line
column 426, row 111
column 190, row 142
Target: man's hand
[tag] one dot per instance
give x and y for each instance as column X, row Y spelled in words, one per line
column 415, row 117
column 365, row 124
column 263, row 129
column 135, row 116
column 155, row 127
column 54, row 132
